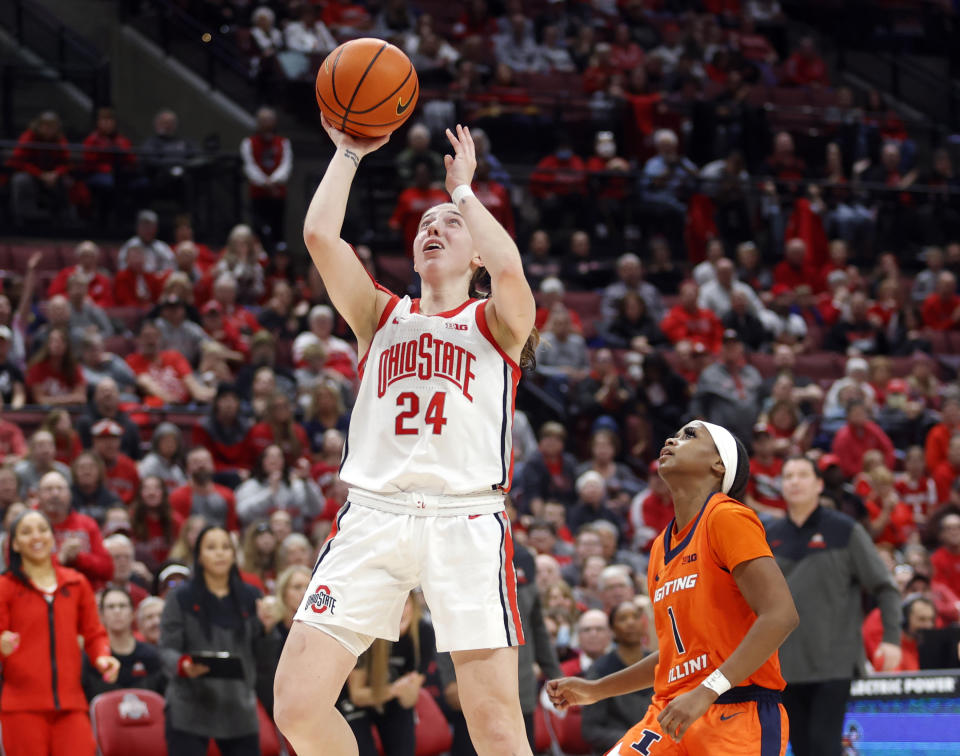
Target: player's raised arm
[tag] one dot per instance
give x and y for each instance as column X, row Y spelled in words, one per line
column 350, row 288
column 512, row 309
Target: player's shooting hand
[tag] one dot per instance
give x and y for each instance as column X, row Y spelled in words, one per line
column 359, row 146
column 463, row 164
column 684, row 710
column 571, row 691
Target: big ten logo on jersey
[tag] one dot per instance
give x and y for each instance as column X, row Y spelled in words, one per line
column 674, row 586
column 424, row 358
column 320, row 600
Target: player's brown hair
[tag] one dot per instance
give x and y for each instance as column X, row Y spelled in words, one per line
column 479, row 289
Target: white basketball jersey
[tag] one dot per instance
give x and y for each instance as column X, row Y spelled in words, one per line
column 434, row 413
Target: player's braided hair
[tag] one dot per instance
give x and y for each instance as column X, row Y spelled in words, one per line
column 480, row 289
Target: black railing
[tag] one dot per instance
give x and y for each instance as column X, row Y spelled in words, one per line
column 211, row 191
column 72, row 57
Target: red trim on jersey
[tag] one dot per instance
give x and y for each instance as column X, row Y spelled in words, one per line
column 488, row 335
column 415, row 309
column 380, row 323
column 512, row 579
column 513, row 408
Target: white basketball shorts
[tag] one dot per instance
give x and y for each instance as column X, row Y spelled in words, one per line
column 374, row 558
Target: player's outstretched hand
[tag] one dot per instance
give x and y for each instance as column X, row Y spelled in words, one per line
column 359, row 146
column 463, row 163
column 571, row 691
column 684, row 710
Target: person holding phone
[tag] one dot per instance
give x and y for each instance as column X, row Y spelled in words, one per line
column 216, row 615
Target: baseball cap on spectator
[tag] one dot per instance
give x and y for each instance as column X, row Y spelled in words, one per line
column 552, row 285
column 106, row 428
column 174, row 571
column 212, row 306
column 605, row 422
column 855, row 364
column 147, row 216
column 761, row 429
column 897, row 386
column 827, row 461
column 5, row 332
column 779, row 289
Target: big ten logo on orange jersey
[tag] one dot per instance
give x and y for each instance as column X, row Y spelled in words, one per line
column 673, row 586
column 321, row 600
column 425, row 358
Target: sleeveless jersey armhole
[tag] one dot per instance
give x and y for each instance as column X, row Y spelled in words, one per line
column 481, row 316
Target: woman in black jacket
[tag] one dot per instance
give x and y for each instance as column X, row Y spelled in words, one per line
column 216, row 611
column 632, row 320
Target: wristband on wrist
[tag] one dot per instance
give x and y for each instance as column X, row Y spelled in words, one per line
column 460, row 192
column 717, row 682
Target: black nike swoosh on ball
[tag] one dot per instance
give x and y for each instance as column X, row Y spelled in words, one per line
column 725, row 717
column 401, row 108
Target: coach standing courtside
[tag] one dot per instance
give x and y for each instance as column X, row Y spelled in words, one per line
column 827, row 559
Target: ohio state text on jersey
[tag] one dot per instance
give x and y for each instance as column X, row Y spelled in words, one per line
column 434, row 413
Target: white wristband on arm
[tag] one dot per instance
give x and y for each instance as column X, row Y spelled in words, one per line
column 460, row 192
column 717, row 682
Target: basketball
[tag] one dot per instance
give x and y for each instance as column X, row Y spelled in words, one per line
column 367, row 87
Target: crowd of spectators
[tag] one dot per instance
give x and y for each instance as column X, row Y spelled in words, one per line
column 771, row 294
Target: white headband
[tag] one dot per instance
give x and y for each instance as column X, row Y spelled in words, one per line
column 727, row 446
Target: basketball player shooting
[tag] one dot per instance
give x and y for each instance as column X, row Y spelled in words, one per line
column 428, row 460
column 721, row 609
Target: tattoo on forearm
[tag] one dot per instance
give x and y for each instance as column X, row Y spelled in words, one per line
column 353, row 156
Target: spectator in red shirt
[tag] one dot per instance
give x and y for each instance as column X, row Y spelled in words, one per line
column 122, row 552
column 793, row 270
column 79, row 544
column 415, row 200
column 13, row 445
column 764, row 489
column 45, row 607
column 99, row 285
column 783, row 164
column 65, row 438
column 559, row 183
column 805, row 67
column 919, row 613
column 54, row 376
column 267, row 162
column 938, row 437
column 201, row 496
column 154, row 524
column 225, row 292
column 941, row 310
column 121, row 476
column 41, row 165
column 107, row 156
column 915, row 487
column 948, row 471
column 857, row 436
column 686, row 321
column 946, row 559
column 891, row 520
column 164, row 376
column 593, row 638
column 651, row 510
column 493, row 195
column 224, row 433
column 134, row 286
column 278, row 427
column 222, row 330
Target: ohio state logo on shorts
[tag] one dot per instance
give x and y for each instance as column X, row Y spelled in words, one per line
column 321, row 600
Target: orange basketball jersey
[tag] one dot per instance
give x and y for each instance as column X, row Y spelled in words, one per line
column 700, row 615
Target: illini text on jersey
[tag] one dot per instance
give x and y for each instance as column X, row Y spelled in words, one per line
column 425, row 358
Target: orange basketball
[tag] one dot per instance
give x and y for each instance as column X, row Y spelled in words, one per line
column 367, row 87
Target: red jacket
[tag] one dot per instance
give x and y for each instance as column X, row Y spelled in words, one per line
column 93, row 561
column 849, row 446
column 561, row 177
column 123, row 479
column 938, row 313
column 702, row 327
column 943, row 476
column 35, row 160
column 104, row 154
column 946, row 568
column 412, row 203
column 131, row 289
column 100, row 288
column 225, row 456
column 938, row 439
column 44, row 673
column 260, row 436
column 181, row 501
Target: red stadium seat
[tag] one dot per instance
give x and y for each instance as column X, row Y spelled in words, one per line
column 568, row 734
column 269, row 739
column 129, row 721
column 541, row 736
column 433, row 734
column 20, row 254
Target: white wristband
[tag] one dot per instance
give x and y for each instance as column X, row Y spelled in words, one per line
column 460, row 192
column 717, row 682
